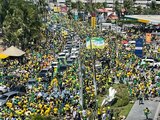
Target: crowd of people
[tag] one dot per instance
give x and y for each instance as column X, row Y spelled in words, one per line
column 63, row 91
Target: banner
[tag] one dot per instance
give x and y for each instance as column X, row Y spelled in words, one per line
column 139, row 47
column 93, row 22
column 148, row 37
column 56, row 9
column 76, row 15
column 96, row 42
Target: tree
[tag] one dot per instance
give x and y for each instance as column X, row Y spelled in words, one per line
column 22, row 24
column 153, row 5
column 117, row 8
column 98, row 5
column 139, row 10
column 89, row 7
column 4, row 6
column 129, row 6
column 73, row 5
column 105, row 4
column 80, row 6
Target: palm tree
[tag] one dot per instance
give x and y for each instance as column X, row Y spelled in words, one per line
column 117, row 8
column 129, row 6
column 139, row 10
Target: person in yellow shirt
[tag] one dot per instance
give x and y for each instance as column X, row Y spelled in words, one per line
column 9, row 104
column 55, row 111
column 47, row 112
column 99, row 114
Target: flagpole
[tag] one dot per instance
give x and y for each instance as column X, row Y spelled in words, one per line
column 93, row 54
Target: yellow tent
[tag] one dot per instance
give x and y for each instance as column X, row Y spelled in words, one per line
column 3, row 56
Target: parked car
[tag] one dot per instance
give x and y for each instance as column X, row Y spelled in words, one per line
column 132, row 42
column 54, row 64
column 44, row 72
column 146, row 60
column 62, row 55
column 74, row 50
column 74, row 55
column 31, row 83
column 3, row 89
column 68, row 46
column 5, row 97
column 20, row 89
column 62, row 68
column 70, row 62
column 66, row 52
column 151, row 62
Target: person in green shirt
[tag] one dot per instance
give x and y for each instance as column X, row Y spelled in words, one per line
column 146, row 112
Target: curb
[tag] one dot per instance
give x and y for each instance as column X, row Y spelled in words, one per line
column 157, row 112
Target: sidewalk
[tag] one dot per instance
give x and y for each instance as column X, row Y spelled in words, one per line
column 137, row 113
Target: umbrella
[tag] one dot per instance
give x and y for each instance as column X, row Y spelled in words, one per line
column 13, row 51
column 3, row 56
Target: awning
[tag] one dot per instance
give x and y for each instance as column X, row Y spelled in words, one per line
column 103, row 10
column 3, row 56
column 112, row 16
column 124, row 41
column 13, row 51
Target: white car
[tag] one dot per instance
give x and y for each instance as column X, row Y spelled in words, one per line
column 31, row 83
column 62, row 55
column 74, row 50
column 131, row 42
column 66, row 52
column 73, row 57
column 54, row 64
column 151, row 62
column 3, row 89
column 145, row 61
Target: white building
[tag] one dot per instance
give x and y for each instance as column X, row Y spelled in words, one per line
column 110, row 3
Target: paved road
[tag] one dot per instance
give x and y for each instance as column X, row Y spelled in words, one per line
column 137, row 113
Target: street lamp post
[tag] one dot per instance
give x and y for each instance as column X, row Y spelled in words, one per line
column 93, row 54
column 80, row 76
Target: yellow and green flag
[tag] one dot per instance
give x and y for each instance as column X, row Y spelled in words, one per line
column 96, row 42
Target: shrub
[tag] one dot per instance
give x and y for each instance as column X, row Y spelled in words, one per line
column 122, row 95
column 122, row 102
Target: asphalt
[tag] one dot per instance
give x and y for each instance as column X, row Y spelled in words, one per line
column 137, row 113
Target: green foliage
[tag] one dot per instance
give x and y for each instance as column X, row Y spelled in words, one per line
column 73, row 5
column 39, row 117
column 98, row 5
column 80, row 5
column 89, row 7
column 22, row 23
column 105, row 5
column 153, row 5
column 122, row 95
column 139, row 10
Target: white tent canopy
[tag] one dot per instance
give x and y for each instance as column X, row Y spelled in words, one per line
column 13, row 51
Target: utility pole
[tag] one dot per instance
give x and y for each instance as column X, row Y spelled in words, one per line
column 80, row 76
